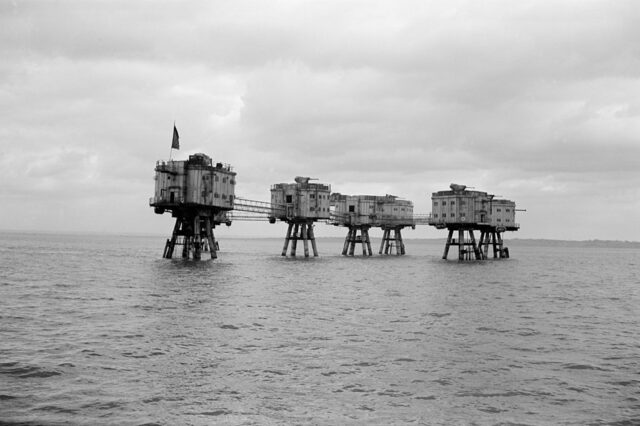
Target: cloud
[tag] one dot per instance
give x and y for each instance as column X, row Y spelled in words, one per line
column 534, row 100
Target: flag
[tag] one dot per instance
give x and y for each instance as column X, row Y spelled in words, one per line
column 175, row 143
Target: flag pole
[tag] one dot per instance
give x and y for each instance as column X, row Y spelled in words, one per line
column 173, row 140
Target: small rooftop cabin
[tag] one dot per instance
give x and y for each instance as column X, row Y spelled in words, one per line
column 301, row 200
column 196, row 182
column 462, row 207
column 372, row 210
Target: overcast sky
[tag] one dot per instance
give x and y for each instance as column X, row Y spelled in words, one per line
column 536, row 101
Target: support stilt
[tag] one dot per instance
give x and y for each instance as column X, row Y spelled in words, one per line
column 347, row 241
column 294, row 243
column 286, row 239
column 186, row 241
column 390, row 242
column 385, row 234
column 303, row 231
column 352, row 242
column 197, row 240
column 212, row 241
column 168, row 249
column 476, row 250
column 195, row 234
column 481, row 245
column 367, row 240
column 448, row 244
column 312, row 237
column 353, row 238
column 470, row 249
column 300, row 231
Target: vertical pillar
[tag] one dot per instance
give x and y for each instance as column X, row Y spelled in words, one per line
column 384, row 236
column 364, row 240
column 487, row 238
column 402, row 250
column 197, row 239
column 447, row 244
column 481, row 244
column 303, row 231
column 312, row 237
column 352, row 241
column 168, row 249
column 476, row 251
column 500, row 245
column 347, row 241
column 387, row 246
column 212, row 241
column 294, row 243
column 495, row 244
column 286, row 239
column 368, row 240
column 460, row 244
column 186, row 235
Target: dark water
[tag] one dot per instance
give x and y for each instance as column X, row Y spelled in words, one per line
column 100, row 330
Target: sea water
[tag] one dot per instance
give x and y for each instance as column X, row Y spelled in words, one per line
column 100, row 330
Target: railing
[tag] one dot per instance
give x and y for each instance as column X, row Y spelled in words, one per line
column 257, row 217
column 166, row 200
column 378, row 220
column 253, row 206
column 444, row 222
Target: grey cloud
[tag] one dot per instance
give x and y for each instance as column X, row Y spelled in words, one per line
column 532, row 99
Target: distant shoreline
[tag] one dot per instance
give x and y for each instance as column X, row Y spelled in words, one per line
column 508, row 239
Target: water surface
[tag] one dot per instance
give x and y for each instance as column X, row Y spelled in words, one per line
column 101, row 330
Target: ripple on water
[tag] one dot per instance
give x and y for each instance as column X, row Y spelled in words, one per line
column 19, row 370
column 102, row 330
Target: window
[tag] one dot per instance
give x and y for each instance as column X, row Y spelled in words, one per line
column 453, row 215
column 289, row 199
column 499, row 220
column 435, row 215
column 310, row 209
column 507, row 210
column 224, row 180
column 217, row 178
column 312, row 196
column 352, row 209
column 435, row 203
column 453, row 203
column 444, row 203
column 498, row 210
column 216, row 195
